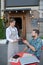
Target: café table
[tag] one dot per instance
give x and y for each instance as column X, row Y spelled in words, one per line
column 18, row 63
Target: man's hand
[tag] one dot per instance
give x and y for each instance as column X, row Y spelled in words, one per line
column 30, row 46
column 25, row 42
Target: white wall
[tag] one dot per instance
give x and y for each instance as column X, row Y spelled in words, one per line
column 2, row 8
column 41, row 8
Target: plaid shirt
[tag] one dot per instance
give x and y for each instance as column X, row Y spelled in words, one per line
column 37, row 43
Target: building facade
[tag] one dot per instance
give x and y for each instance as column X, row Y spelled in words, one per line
column 25, row 12
column 41, row 8
column 41, row 16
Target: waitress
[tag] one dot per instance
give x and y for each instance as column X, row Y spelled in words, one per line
column 12, row 37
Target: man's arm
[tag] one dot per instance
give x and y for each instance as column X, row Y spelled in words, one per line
column 30, row 46
column 25, row 49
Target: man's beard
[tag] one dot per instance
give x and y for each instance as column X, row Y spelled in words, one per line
column 33, row 36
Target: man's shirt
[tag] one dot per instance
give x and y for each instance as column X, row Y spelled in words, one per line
column 37, row 43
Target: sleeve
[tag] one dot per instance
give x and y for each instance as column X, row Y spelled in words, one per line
column 30, row 40
column 39, row 45
column 8, row 33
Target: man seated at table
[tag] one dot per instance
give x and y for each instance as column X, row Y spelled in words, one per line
column 35, row 44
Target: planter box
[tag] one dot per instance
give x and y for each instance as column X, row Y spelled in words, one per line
column 3, row 52
column 2, row 41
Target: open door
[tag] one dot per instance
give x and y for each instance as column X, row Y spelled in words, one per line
column 20, row 24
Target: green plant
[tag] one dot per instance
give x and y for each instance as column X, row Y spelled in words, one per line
column 41, row 37
column 2, row 30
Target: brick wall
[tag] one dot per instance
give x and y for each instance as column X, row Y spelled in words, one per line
column 29, row 26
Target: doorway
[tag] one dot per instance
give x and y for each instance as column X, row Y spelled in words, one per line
column 19, row 25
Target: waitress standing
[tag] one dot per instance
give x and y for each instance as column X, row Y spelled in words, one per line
column 12, row 37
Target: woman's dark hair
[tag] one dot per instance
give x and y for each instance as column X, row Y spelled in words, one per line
column 36, row 31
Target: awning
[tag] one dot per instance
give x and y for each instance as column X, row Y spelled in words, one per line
column 17, row 8
column 21, row 8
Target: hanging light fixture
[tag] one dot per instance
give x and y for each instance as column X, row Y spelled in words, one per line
column 23, row 11
column 30, row 11
column 16, row 11
column 31, row 14
column 9, row 11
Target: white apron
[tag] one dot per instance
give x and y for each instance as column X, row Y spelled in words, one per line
column 12, row 47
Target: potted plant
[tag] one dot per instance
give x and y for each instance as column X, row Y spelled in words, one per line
column 42, row 42
column 41, row 38
column 2, row 32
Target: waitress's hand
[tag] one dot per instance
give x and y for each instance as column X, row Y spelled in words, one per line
column 15, row 41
